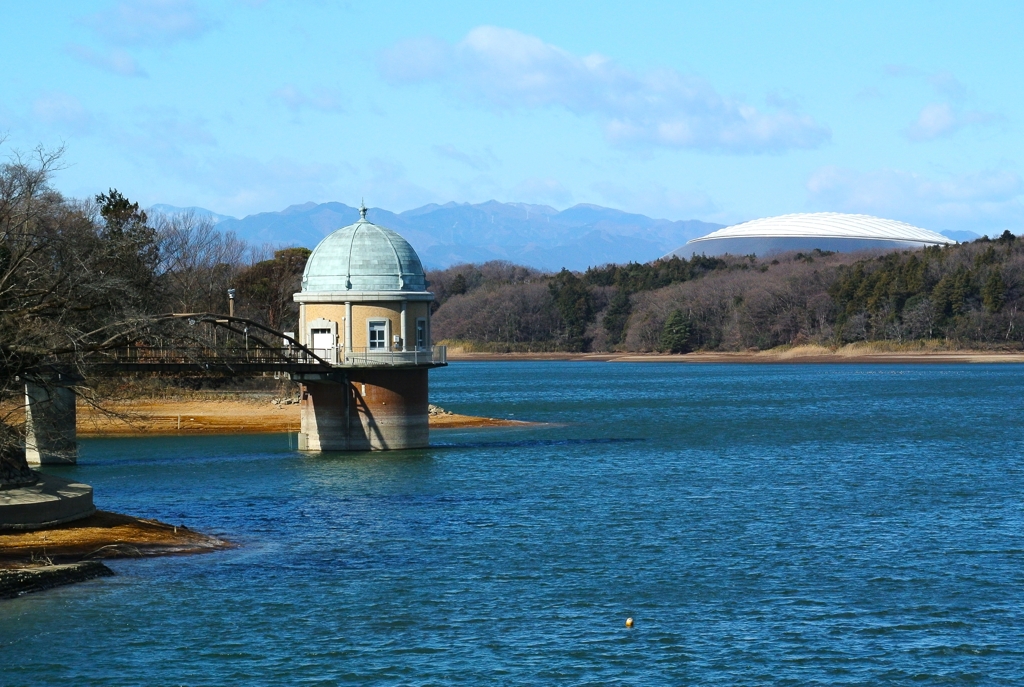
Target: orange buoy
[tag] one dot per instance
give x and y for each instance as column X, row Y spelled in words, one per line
column 629, row 622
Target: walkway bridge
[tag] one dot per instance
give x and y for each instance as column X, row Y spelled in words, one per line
column 249, row 347
column 255, row 348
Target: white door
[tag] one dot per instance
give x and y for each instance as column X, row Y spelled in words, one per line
column 323, row 340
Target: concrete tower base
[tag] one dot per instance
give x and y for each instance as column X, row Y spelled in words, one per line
column 366, row 410
column 50, row 435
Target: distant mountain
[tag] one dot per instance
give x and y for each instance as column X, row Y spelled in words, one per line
column 164, row 209
column 444, row 235
column 961, row 236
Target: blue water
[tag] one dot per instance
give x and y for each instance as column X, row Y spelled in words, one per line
column 795, row 524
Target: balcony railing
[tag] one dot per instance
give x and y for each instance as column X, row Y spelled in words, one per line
column 374, row 357
column 283, row 358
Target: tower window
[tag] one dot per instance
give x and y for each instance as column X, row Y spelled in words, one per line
column 378, row 335
column 421, row 333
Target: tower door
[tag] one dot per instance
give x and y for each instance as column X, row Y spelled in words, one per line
column 322, row 339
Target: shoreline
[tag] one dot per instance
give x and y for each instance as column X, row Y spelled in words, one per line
column 178, row 417
column 102, row 535
column 36, row 560
column 793, row 355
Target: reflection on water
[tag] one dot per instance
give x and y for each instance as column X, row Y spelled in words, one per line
column 833, row 524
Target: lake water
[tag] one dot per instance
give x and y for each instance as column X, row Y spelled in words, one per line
column 846, row 524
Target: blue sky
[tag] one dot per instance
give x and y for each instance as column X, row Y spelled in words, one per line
column 715, row 111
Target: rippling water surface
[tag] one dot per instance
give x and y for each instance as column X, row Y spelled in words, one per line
column 795, row 524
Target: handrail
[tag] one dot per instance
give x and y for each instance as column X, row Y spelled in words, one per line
column 335, row 356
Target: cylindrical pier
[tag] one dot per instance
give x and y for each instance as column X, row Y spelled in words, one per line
column 369, row 410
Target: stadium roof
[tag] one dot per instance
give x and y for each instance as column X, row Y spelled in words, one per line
column 825, row 230
column 831, row 225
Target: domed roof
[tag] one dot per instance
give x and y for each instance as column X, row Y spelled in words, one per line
column 829, row 225
column 363, row 257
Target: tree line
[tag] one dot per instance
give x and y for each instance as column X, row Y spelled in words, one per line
column 964, row 295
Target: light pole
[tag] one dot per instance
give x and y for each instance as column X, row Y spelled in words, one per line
column 231, row 302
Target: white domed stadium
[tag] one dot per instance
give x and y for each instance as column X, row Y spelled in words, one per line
column 827, row 231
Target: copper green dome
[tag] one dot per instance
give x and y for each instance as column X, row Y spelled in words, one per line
column 363, row 257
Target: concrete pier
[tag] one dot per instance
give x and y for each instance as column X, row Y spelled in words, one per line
column 50, row 436
column 50, row 501
column 366, row 410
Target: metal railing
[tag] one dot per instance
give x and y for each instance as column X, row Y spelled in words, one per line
column 283, row 357
column 376, row 357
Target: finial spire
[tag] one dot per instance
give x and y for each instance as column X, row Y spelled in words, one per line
column 362, row 209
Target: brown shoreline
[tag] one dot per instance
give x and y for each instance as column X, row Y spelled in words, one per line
column 222, row 416
column 102, row 535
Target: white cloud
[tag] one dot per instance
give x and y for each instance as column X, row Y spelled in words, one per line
column 63, row 111
column 322, row 99
column 116, row 61
column 507, row 70
column 149, row 22
column 942, row 119
column 980, row 202
column 945, row 117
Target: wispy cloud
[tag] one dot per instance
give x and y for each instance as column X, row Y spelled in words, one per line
column 480, row 162
column 63, row 111
column 149, row 22
column 947, row 116
column 507, row 69
column 937, row 120
column 116, row 61
column 976, row 202
column 322, row 99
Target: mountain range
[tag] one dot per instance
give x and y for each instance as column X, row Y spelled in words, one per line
column 443, row 235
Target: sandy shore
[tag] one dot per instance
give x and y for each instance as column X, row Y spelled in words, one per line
column 102, row 535
column 223, row 416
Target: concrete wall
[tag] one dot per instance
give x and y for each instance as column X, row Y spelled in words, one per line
column 361, row 312
column 373, row 410
column 50, row 436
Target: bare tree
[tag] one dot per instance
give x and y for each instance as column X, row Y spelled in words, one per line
column 72, row 283
column 198, row 262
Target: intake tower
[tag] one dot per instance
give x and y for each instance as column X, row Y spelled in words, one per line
column 364, row 307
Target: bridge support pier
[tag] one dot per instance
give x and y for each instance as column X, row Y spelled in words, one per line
column 364, row 410
column 50, row 436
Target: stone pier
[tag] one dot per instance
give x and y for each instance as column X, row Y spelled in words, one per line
column 50, row 436
column 366, row 410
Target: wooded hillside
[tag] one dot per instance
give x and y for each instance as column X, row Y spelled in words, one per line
column 966, row 295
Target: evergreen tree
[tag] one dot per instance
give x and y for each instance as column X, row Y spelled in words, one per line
column 617, row 315
column 572, row 298
column 458, row 286
column 993, row 294
column 131, row 246
column 675, row 336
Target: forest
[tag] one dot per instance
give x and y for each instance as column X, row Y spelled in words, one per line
column 967, row 295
